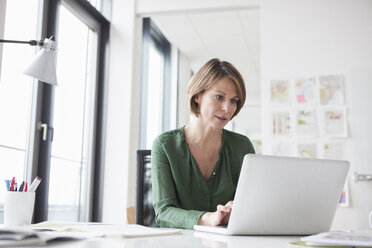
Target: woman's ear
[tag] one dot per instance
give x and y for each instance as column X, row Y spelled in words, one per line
column 197, row 98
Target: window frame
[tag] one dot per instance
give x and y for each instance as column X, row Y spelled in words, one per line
column 2, row 27
column 152, row 35
column 44, row 107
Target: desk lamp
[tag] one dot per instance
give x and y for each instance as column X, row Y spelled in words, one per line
column 43, row 66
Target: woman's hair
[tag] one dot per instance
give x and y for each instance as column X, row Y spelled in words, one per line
column 207, row 75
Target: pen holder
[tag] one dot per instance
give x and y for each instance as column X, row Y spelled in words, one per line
column 18, row 208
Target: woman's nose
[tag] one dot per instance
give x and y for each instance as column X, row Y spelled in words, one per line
column 226, row 106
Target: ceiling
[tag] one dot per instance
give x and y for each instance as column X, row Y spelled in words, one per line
column 232, row 35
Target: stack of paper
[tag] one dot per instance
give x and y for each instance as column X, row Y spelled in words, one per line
column 27, row 236
column 42, row 233
column 106, row 230
column 346, row 239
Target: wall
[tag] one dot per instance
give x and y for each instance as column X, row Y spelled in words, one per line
column 123, row 108
column 312, row 38
column 248, row 120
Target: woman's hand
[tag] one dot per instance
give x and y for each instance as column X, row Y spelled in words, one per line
column 220, row 217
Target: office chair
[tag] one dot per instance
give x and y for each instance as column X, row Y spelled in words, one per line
column 144, row 211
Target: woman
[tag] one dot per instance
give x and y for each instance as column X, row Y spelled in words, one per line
column 195, row 169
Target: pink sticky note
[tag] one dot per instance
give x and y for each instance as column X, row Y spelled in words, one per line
column 300, row 98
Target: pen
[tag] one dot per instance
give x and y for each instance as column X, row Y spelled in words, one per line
column 7, row 182
column 25, row 187
column 34, row 184
column 21, row 186
column 12, row 184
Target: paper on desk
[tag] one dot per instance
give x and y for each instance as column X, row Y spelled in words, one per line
column 16, row 236
column 23, row 236
column 105, row 230
column 296, row 244
column 348, row 239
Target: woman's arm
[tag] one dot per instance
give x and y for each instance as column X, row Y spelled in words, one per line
column 166, row 204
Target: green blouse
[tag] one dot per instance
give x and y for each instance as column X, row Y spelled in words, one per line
column 180, row 193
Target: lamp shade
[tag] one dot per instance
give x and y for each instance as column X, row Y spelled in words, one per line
column 43, row 66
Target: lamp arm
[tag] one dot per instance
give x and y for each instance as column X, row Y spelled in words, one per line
column 31, row 42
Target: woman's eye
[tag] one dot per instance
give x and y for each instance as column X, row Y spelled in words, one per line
column 218, row 97
column 234, row 101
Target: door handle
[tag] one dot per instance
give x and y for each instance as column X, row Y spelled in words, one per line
column 361, row 177
column 45, row 128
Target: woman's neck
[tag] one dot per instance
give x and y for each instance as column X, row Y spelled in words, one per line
column 203, row 135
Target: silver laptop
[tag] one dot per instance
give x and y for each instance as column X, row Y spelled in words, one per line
column 284, row 196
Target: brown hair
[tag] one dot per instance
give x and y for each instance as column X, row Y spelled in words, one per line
column 207, row 75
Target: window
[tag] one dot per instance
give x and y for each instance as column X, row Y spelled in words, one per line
column 70, row 165
column 155, row 85
column 16, row 90
column 70, row 159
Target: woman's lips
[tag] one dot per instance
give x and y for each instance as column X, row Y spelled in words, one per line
column 222, row 118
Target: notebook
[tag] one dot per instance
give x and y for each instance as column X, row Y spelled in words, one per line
column 284, row 196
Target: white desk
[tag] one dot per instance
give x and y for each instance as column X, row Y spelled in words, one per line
column 188, row 238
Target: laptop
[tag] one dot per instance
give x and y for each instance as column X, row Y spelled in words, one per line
column 284, row 196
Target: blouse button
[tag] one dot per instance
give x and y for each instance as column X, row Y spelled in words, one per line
column 214, row 173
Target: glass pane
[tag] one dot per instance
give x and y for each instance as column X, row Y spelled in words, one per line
column 72, row 121
column 16, row 89
column 64, row 183
column 96, row 3
column 155, row 96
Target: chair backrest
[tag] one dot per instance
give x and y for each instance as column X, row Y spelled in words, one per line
column 144, row 214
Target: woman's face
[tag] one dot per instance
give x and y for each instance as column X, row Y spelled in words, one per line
column 218, row 104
